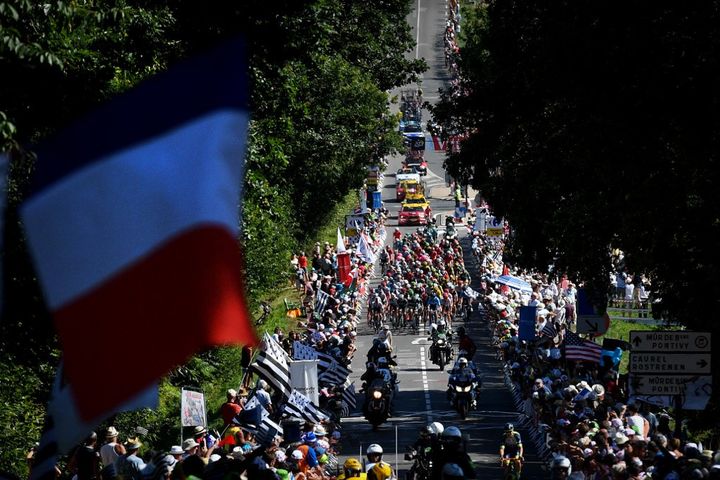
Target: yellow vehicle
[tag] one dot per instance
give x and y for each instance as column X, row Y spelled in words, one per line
column 407, row 187
column 417, row 200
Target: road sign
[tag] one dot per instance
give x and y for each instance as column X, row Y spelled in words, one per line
column 670, row 363
column 670, row 341
column 593, row 324
column 670, row 385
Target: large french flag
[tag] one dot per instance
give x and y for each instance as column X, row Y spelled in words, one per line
column 133, row 225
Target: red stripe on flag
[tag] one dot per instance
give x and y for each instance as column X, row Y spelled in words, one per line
column 183, row 297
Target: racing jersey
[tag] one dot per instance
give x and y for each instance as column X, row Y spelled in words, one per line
column 512, row 443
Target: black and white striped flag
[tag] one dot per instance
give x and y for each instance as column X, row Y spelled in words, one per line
column 321, row 299
column 303, row 352
column 349, row 396
column 300, row 406
column 334, row 373
column 272, row 366
column 548, row 330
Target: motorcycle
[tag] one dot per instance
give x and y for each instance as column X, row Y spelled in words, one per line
column 377, row 403
column 440, row 350
column 421, row 468
column 462, row 397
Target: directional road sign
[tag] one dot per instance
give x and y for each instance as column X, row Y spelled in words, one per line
column 670, row 363
column 593, row 324
column 669, row 384
column 669, row 341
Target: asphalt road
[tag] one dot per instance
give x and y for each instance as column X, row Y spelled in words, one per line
column 421, row 397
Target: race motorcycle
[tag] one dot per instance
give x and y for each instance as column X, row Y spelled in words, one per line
column 440, row 350
column 461, row 396
column 378, row 398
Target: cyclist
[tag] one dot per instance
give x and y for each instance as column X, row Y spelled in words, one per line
column 511, row 448
column 352, row 469
column 433, row 304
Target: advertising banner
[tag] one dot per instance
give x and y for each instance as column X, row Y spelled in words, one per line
column 304, row 378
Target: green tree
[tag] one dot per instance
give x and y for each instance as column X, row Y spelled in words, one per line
column 593, row 126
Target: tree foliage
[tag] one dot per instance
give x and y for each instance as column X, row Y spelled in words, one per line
column 319, row 73
column 593, row 126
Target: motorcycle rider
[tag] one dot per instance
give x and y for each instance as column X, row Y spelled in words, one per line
column 560, row 468
column 452, row 471
column 466, row 343
column 385, row 336
column 451, row 450
column 374, row 454
column 462, row 372
column 511, row 447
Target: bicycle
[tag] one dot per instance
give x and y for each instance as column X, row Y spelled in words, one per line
column 511, row 468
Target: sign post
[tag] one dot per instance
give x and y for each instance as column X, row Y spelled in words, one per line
column 672, row 363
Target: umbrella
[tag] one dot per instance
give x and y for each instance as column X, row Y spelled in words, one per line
column 514, row 282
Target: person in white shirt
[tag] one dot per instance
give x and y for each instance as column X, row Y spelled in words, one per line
column 261, row 393
column 112, row 449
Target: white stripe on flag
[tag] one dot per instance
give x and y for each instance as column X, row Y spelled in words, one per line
column 61, row 221
column 321, row 301
column 275, row 373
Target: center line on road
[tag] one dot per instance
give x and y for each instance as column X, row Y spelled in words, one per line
column 426, row 387
column 417, row 32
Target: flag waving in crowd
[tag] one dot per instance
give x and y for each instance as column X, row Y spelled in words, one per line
column 578, row 349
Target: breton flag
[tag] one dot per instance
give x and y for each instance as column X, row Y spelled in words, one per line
column 303, row 352
column 300, row 406
column 275, row 349
column 330, row 371
column 321, row 299
column 548, row 330
column 271, row 364
column 255, row 415
column 132, row 223
column 349, row 396
column 581, row 350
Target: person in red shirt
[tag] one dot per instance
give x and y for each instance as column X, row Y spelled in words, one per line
column 231, row 408
column 302, row 261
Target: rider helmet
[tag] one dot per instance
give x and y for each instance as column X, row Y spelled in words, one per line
column 452, row 433
column 386, row 327
column 561, row 463
column 374, row 449
column 452, row 471
column 463, row 361
column 437, row 428
column 509, row 427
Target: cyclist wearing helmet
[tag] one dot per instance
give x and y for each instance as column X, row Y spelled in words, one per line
column 374, row 454
column 560, row 468
column 451, row 450
column 380, row 471
column 511, row 447
column 352, row 469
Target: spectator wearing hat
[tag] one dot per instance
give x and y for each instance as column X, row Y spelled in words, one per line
column 177, row 452
column 129, row 466
column 206, row 441
column 231, row 408
column 112, row 448
column 190, row 447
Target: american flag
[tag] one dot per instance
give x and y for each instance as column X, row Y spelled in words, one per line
column 581, row 350
column 321, row 299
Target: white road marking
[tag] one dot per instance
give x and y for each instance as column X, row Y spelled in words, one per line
column 417, row 33
column 426, row 387
column 420, row 341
